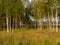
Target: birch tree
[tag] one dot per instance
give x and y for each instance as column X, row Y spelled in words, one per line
column 38, row 10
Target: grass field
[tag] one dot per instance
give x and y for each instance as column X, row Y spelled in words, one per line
column 30, row 37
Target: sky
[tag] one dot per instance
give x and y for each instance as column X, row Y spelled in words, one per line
column 30, row 1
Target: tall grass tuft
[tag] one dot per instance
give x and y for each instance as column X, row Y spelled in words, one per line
column 27, row 38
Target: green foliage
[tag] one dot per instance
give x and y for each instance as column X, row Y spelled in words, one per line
column 38, row 8
column 13, row 9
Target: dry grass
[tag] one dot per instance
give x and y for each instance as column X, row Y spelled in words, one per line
column 30, row 37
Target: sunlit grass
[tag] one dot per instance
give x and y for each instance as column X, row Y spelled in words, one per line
column 29, row 37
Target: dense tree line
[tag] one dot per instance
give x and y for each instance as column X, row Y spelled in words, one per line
column 48, row 8
column 17, row 13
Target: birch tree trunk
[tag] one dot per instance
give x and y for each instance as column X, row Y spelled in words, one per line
column 7, row 19
column 16, row 22
column 10, row 24
column 39, row 22
column 56, row 16
column 52, row 20
column 56, row 20
column 49, row 23
column 7, row 23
